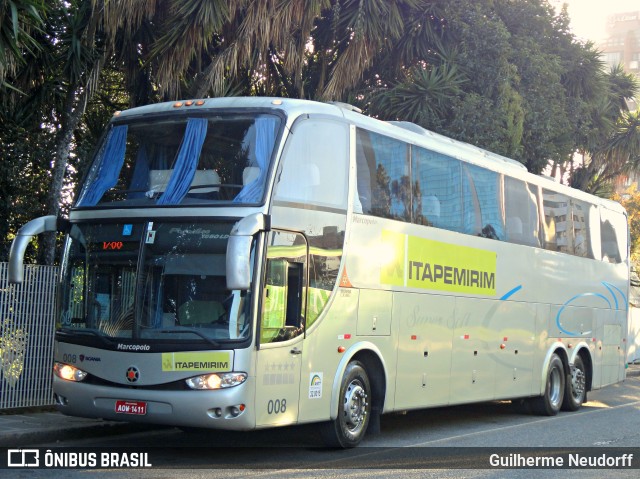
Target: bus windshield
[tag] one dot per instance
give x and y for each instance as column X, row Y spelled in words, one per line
column 182, row 161
column 151, row 281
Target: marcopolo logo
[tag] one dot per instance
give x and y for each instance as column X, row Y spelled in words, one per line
column 133, row 347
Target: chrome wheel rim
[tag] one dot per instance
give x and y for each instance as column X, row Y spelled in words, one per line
column 578, row 384
column 355, row 407
column 555, row 389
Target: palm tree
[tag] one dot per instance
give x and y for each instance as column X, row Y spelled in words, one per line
column 613, row 146
column 19, row 20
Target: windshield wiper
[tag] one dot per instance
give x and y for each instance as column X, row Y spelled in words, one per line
column 88, row 332
column 182, row 329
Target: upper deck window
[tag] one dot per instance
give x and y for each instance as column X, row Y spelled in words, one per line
column 177, row 161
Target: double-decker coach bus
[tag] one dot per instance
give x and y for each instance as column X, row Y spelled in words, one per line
column 244, row 263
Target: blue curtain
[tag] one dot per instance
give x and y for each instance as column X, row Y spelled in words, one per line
column 186, row 163
column 140, row 179
column 265, row 141
column 110, row 166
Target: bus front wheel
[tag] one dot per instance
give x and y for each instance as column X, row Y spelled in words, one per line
column 354, row 409
column 550, row 402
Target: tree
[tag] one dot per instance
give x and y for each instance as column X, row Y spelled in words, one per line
column 614, row 146
column 506, row 76
column 630, row 199
column 19, row 20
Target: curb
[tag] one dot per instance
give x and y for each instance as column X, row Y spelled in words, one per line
column 632, row 371
column 98, row 429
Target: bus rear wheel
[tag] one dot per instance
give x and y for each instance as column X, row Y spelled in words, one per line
column 575, row 392
column 550, row 402
column 354, row 409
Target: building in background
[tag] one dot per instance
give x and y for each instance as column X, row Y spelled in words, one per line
column 622, row 45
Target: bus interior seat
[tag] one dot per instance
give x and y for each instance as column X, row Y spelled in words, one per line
column 431, row 207
column 514, row 229
column 158, row 180
column 249, row 174
column 168, row 320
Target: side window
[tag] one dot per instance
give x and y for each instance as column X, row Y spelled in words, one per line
column 316, row 164
column 384, row 186
column 522, row 222
column 568, row 225
column 437, row 190
column 482, row 202
column 284, row 295
column 556, row 216
column 580, row 221
column 613, row 230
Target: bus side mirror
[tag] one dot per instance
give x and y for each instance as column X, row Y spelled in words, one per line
column 239, row 250
column 22, row 240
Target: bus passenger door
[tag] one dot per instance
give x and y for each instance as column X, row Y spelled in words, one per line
column 281, row 329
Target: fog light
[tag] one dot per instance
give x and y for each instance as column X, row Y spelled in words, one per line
column 236, row 410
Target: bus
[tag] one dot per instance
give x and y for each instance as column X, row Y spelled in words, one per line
column 246, row 263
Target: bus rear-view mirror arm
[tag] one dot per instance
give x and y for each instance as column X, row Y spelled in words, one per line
column 239, row 250
column 23, row 238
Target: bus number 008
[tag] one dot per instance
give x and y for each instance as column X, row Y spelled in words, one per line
column 277, row 406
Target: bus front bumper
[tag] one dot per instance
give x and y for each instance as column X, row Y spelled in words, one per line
column 230, row 408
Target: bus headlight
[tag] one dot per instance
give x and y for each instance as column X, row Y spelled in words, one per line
column 216, row 380
column 68, row 372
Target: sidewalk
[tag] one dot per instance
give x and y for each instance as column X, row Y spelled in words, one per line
column 47, row 426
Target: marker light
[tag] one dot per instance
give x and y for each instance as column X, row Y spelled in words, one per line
column 216, row 380
column 68, row 372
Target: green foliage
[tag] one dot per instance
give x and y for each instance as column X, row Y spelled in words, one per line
column 630, row 199
column 504, row 75
column 24, row 174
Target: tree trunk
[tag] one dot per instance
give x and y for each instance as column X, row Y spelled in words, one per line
column 75, row 107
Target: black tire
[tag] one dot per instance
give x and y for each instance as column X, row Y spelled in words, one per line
column 575, row 391
column 354, row 409
column 550, row 402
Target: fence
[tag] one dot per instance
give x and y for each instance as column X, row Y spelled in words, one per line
column 27, row 326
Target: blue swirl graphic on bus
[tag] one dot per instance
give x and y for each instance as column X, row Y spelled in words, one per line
column 508, row 294
column 616, row 305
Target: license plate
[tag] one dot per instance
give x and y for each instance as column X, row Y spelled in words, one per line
column 131, row 407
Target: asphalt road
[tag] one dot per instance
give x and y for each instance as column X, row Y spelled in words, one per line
column 441, row 442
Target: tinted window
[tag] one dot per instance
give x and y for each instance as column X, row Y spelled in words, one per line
column 384, row 186
column 315, row 167
column 556, row 211
column 522, row 222
column 613, row 231
column 438, row 189
column 482, row 202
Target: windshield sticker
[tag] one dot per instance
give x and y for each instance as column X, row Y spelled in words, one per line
column 127, row 230
column 415, row 262
column 151, row 237
column 218, row 361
